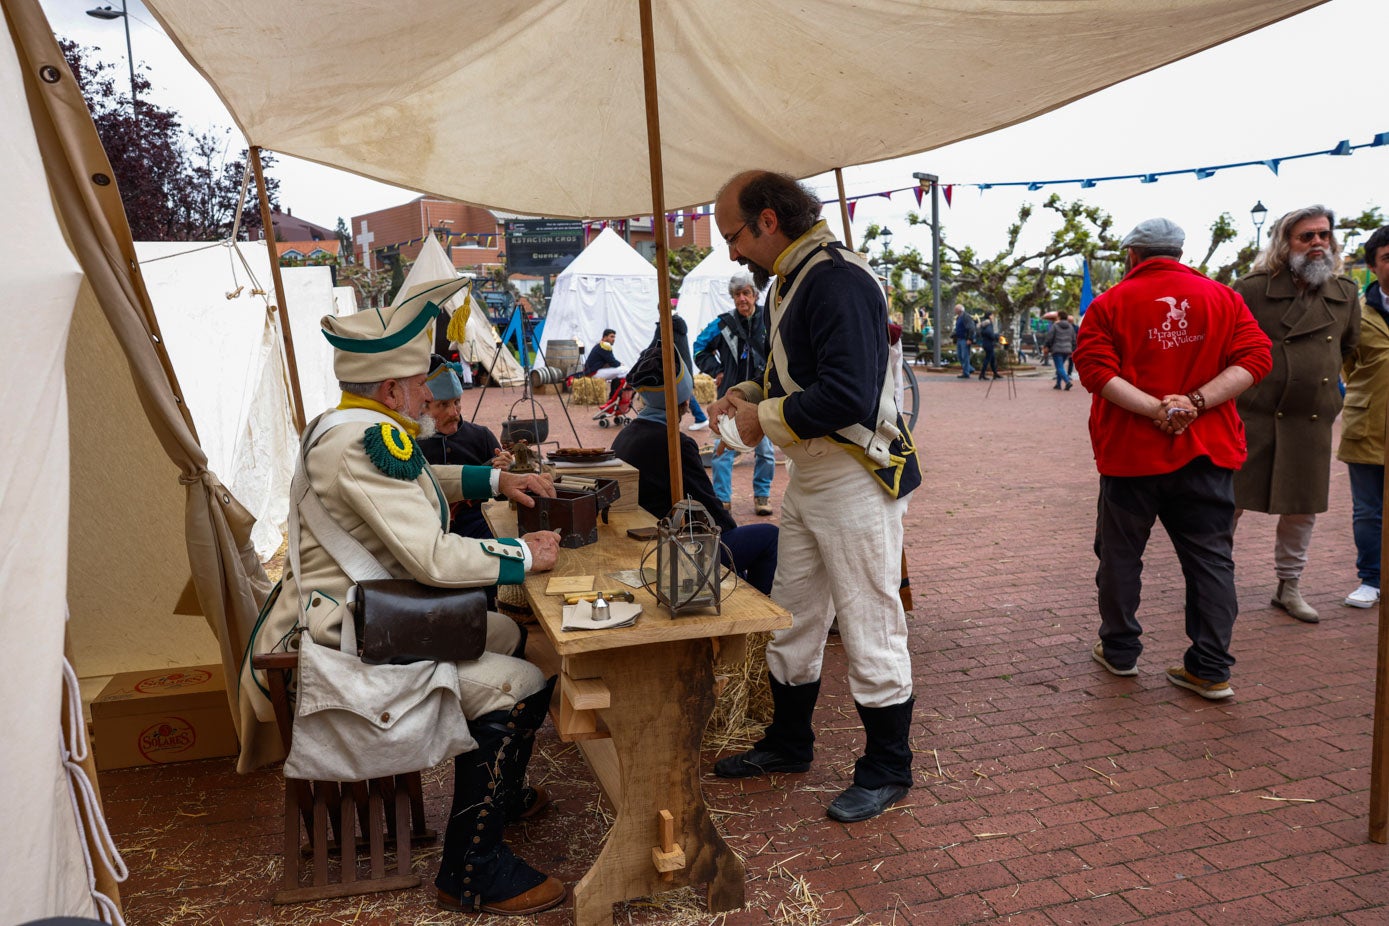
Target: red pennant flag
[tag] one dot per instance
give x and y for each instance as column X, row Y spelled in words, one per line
column 853, row 203
column 887, row 195
column 949, row 189
column 918, row 191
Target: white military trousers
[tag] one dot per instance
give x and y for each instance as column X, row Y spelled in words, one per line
column 496, row 680
column 840, row 555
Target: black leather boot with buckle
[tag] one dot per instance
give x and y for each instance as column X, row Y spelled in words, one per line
column 479, row 872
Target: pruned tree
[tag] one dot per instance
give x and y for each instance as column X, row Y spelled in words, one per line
column 344, row 236
column 682, row 261
column 1011, row 282
column 894, row 265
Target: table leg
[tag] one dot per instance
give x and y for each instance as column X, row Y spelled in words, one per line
column 662, row 696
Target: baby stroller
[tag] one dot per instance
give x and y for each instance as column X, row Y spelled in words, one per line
column 618, row 407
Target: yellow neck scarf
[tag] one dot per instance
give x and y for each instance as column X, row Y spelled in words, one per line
column 349, row 400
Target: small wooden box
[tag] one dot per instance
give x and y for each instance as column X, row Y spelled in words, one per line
column 572, row 512
column 625, row 474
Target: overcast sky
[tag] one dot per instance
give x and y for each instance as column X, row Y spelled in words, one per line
column 1297, row 86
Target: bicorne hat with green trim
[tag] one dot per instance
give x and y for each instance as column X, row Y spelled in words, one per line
column 391, row 343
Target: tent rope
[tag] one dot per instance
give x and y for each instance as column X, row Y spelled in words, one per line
column 86, row 810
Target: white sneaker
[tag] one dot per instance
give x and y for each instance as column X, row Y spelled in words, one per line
column 698, row 425
column 1366, row 596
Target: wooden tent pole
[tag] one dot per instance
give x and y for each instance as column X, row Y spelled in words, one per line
column 268, row 232
column 844, row 209
column 658, row 223
column 1379, row 725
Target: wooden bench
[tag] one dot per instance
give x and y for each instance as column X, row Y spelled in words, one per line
column 361, row 815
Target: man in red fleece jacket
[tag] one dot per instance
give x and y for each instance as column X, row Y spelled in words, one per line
column 1164, row 353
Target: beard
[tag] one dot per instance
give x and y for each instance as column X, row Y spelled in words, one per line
column 1314, row 271
column 425, row 422
column 760, row 275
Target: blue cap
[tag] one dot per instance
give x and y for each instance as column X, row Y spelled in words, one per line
column 443, row 381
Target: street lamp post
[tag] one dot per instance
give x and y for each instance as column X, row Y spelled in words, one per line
column 1258, row 214
column 934, row 181
column 106, row 13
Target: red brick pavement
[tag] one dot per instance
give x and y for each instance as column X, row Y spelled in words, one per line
column 1049, row 792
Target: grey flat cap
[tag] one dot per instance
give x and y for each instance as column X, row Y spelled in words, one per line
column 1155, row 233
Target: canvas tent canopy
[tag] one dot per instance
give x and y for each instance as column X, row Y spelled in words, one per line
column 480, row 345
column 609, row 285
column 350, row 104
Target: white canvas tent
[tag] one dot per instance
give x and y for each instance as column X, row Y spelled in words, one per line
column 346, row 97
column 609, row 285
column 704, row 291
column 229, row 357
column 482, row 340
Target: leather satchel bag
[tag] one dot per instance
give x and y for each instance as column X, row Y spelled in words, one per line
column 400, row 621
column 353, row 722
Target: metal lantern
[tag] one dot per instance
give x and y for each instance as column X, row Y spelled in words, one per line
column 687, row 559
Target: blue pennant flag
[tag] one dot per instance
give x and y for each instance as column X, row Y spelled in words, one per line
column 1087, row 292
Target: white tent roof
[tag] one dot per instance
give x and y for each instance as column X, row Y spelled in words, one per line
column 704, row 291
column 609, row 285
column 830, row 84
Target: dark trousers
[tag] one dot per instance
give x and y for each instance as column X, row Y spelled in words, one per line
column 1367, row 512
column 753, row 551
column 1196, row 505
column 989, row 361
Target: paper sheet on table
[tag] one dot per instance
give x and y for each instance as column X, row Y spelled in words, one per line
column 558, row 464
column 580, row 616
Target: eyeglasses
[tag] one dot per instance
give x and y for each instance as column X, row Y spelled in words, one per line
column 729, row 239
column 1307, row 237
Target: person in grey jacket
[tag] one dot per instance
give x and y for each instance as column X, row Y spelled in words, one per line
column 1061, row 342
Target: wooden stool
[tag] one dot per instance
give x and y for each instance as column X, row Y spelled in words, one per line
column 380, row 810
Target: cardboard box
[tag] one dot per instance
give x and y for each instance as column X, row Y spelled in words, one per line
column 156, row 717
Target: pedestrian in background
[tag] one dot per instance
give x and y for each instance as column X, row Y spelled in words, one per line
column 1366, row 374
column 1312, row 314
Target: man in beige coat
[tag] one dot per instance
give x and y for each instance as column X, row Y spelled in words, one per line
column 1312, row 315
column 1366, row 374
column 363, row 462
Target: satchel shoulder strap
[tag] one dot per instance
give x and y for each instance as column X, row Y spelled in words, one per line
column 307, row 508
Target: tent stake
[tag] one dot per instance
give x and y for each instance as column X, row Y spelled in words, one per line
column 268, row 233
column 658, row 223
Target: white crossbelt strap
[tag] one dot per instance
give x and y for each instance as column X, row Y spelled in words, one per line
column 307, row 508
column 875, row 443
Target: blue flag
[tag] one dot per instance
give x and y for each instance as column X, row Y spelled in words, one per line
column 1087, row 293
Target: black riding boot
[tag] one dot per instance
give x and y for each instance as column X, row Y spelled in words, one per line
column 525, row 802
column 478, row 871
column 883, row 774
column 788, row 745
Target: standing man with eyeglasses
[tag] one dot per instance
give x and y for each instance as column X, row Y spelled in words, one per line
column 1312, row 314
column 826, row 399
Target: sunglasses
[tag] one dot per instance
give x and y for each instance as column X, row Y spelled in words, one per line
column 732, row 237
column 1307, row 237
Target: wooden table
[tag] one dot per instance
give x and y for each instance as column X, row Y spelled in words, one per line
column 636, row 700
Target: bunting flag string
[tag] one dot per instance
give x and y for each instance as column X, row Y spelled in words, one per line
column 1342, row 148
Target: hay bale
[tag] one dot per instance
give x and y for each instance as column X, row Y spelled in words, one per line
column 705, row 391
column 588, row 390
column 744, row 706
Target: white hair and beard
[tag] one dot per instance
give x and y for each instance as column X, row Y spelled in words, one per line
column 1314, row 271
column 425, row 422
